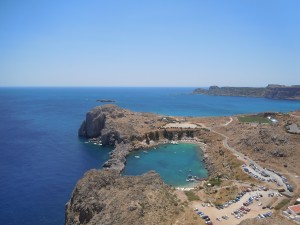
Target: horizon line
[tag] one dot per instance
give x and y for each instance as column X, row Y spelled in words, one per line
column 61, row 86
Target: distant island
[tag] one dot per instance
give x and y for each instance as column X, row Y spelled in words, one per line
column 272, row 91
column 105, row 100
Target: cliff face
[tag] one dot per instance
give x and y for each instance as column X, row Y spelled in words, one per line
column 113, row 125
column 271, row 91
column 117, row 127
column 282, row 92
column 104, row 197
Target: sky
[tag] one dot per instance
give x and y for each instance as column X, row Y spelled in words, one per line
column 160, row 43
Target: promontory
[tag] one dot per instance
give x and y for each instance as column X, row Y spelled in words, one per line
column 253, row 163
column 271, row 91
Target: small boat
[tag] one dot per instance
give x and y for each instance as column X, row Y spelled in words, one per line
column 137, row 156
column 190, row 180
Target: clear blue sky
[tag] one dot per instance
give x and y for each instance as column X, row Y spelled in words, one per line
column 149, row 43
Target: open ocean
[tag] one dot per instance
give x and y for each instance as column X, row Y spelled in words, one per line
column 42, row 158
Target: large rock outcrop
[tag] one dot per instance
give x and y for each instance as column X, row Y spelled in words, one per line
column 111, row 124
column 103, row 197
column 271, row 91
column 117, row 127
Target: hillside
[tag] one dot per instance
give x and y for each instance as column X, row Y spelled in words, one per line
column 104, row 197
column 271, row 91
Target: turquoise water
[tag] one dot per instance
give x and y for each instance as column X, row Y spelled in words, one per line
column 173, row 162
column 42, row 158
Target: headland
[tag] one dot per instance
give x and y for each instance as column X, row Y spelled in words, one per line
column 254, row 156
column 272, row 91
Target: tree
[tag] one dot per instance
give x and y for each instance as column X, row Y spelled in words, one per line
column 170, row 136
column 165, row 133
column 190, row 133
column 152, row 136
column 180, row 135
column 147, row 140
column 156, row 135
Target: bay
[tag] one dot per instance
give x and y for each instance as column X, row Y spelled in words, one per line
column 41, row 157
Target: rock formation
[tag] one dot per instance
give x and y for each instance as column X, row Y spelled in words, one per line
column 271, row 91
column 104, row 197
column 111, row 124
column 117, row 127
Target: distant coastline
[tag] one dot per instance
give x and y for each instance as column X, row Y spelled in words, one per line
column 271, row 91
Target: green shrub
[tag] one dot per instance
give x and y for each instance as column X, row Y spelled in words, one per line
column 191, row 196
column 281, row 204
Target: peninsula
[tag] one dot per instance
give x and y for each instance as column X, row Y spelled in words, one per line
column 271, row 91
column 248, row 157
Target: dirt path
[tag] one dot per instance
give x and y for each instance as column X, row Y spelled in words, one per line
column 246, row 159
column 226, row 124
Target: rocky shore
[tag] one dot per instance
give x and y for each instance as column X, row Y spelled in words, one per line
column 126, row 131
column 105, row 197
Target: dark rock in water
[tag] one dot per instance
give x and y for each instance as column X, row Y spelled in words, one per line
column 104, row 197
column 105, row 100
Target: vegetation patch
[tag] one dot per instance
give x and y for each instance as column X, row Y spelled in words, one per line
column 215, row 181
column 191, row 196
column 282, row 203
column 253, row 119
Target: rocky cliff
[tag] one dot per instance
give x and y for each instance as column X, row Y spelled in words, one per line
column 120, row 128
column 111, row 124
column 104, row 197
column 271, row 91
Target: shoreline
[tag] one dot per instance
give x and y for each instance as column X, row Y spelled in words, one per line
column 153, row 144
column 202, row 148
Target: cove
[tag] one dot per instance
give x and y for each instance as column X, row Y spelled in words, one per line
column 174, row 163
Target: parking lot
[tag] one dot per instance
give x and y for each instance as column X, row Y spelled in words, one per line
column 235, row 212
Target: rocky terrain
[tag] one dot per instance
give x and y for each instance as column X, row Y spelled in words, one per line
column 269, row 144
column 271, row 91
column 111, row 124
column 103, row 197
column 120, row 128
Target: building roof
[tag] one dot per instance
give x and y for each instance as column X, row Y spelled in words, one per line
column 295, row 208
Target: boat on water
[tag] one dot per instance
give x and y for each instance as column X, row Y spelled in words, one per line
column 192, row 178
column 137, row 156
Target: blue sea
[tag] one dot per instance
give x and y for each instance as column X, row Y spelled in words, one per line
column 42, row 158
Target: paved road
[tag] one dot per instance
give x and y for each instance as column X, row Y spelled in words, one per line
column 246, row 159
